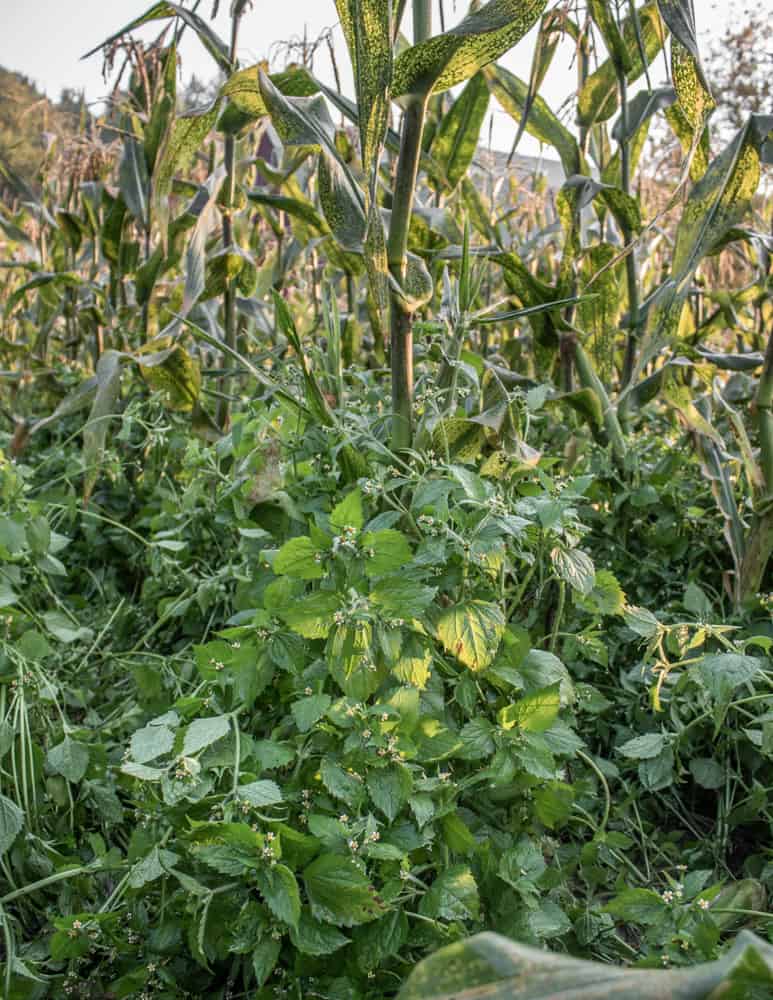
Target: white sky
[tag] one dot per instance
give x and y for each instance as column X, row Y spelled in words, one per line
column 44, row 39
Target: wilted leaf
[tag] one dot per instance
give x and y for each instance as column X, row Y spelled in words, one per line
column 472, row 632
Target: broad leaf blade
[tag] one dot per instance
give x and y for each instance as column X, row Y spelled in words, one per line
column 598, row 99
column 499, row 969
column 456, row 140
column 451, row 58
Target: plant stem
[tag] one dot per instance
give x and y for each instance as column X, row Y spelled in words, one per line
column 422, row 20
column 604, row 784
column 583, row 71
column 229, row 296
column 765, row 417
column 397, row 249
column 630, row 258
column 590, row 380
column 401, row 333
column 758, row 544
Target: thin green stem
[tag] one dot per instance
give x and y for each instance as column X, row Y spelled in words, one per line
column 604, row 784
column 397, row 250
column 229, row 296
column 629, row 361
column 589, row 379
column 397, row 245
column 765, row 417
column 422, row 20
column 58, row 877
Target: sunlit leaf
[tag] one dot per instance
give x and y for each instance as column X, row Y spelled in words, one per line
column 482, row 37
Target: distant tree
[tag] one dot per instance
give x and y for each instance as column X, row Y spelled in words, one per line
column 24, row 118
column 740, row 66
column 28, row 120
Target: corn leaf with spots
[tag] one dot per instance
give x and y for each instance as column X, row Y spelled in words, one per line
column 679, row 16
column 177, row 376
column 695, row 101
column 598, row 98
column 604, row 18
column 456, row 140
column 243, row 88
column 542, row 123
column 689, row 115
column 368, row 30
column 599, row 318
column 716, row 204
column 417, row 288
column 306, row 122
column 443, row 61
column 186, row 136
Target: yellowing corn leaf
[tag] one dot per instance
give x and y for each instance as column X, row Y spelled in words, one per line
column 482, row 37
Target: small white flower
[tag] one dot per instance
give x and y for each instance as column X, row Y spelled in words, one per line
column 704, row 904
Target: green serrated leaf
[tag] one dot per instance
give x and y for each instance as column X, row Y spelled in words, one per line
column 472, row 632
column 339, row 893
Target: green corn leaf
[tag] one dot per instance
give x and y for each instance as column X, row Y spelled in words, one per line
column 482, row 37
column 196, row 251
column 513, row 94
column 598, row 99
column 298, row 208
column 456, row 140
column 551, row 30
column 184, row 139
column 243, row 89
column 306, row 121
column 695, row 104
column 215, row 45
column 619, row 51
column 501, row 969
column 640, row 109
column 716, row 204
column 368, row 30
column 108, row 376
column 135, row 180
column 163, row 112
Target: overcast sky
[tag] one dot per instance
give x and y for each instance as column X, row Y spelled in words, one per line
column 44, row 39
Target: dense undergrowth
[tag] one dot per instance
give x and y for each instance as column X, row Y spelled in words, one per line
column 307, row 671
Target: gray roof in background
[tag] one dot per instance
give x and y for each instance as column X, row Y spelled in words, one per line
column 523, row 167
